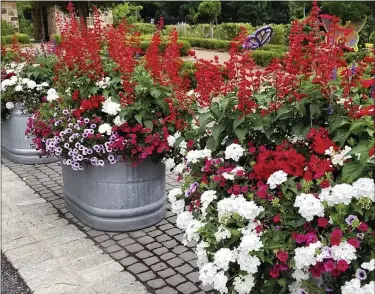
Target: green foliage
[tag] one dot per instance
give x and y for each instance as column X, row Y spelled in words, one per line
column 188, row 70
column 372, row 38
column 44, row 71
column 6, row 28
column 280, row 34
column 126, row 10
column 227, row 31
column 26, row 27
column 21, row 38
column 209, row 43
column 56, row 38
column 186, row 46
column 347, row 10
column 143, row 28
column 355, row 56
column 209, row 10
column 264, row 57
column 24, row 18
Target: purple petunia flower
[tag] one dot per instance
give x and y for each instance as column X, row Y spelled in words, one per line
column 350, row 219
column 302, row 291
column 86, row 120
column 361, row 274
column 93, row 126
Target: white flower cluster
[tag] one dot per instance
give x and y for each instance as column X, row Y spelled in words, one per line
column 238, row 204
column 14, row 67
column 338, row 158
column 118, row 121
column 243, row 284
column 206, row 198
column 343, row 193
column 103, row 83
column 194, row 156
column 209, row 275
column 370, row 266
column 309, row 206
column 234, row 151
column 277, row 178
column 306, row 256
column 354, row 286
column 222, row 234
column 9, row 105
column 52, row 95
column 110, row 107
column 343, row 251
column 105, row 129
column 172, row 139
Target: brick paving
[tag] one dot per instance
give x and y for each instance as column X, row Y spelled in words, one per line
column 155, row 256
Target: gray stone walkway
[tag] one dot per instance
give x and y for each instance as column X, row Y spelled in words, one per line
column 151, row 260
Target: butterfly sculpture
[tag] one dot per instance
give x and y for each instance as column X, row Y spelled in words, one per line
column 259, row 38
column 346, row 36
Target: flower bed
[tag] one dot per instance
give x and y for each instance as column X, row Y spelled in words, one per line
column 278, row 189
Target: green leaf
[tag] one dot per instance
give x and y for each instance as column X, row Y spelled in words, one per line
column 357, row 124
column 204, row 119
column 351, row 171
column 238, row 122
column 155, row 93
column 216, row 131
column 138, row 117
column 314, row 109
column 241, row 133
column 283, row 113
column 211, row 143
column 148, row 124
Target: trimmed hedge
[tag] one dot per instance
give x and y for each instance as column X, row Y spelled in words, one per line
column 184, row 50
column 21, row 38
column 208, row 43
column 264, row 58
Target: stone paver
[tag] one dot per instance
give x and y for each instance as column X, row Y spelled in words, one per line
column 152, row 260
column 51, row 254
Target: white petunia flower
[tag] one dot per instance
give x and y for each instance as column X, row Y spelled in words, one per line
column 338, row 158
column 222, row 234
column 234, row 151
column 309, row 206
column 277, row 178
column 191, row 233
column 169, row 163
column 238, row 204
column 220, row 281
column 9, row 105
column 248, row 262
column 200, row 251
column 300, row 275
column 344, row 251
column 111, row 107
column 105, row 129
column 341, row 193
column 243, row 284
column 44, row 84
column 173, row 193
column 193, row 156
column 178, row 206
column 179, row 168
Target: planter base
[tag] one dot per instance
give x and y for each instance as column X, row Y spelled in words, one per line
column 116, row 224
column 27, row 157
column 116, row 197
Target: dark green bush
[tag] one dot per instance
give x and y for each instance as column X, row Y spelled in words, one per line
column 6, row 28
column 355, row 56
column 209, row 43
column 183, row 50
column 264, row 58
column 56, row 38
column 143, row 28
column 372, row 38
column 6, row 40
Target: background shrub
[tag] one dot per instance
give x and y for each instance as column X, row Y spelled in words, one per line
column 355, row 56
column 187, row 70
column 264, row 58
column 372, row 38
column 56, row 38
column 221, row 45
column 22, row 38
column 143, row 28
column 6, row 28
column 183, row 50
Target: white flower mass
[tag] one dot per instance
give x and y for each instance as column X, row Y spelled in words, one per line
column 110, row 107
column 277, row 178
column 309, row 206
column 234, row 151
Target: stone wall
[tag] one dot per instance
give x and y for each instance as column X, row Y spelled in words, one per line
column 9, row 13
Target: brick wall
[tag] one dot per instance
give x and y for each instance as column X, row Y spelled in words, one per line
column 9, row 13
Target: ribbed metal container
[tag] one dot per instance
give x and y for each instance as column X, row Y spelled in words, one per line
column 116, row 197
column 14, row 144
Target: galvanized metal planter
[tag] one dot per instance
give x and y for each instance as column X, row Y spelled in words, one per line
column 14, row 145
column 116, row 197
